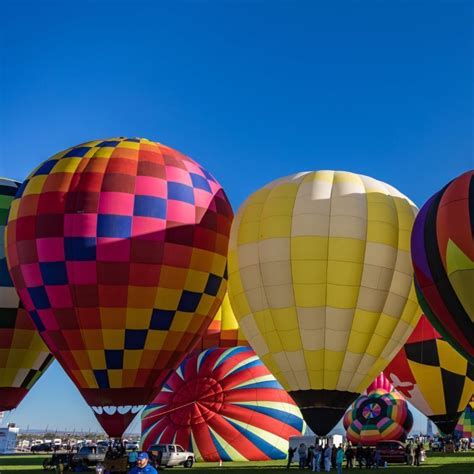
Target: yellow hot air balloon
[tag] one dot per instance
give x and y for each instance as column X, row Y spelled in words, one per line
column 320, row 281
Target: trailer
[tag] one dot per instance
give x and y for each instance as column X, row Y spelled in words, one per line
column 8, row 437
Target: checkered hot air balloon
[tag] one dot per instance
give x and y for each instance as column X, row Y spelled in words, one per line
column 465, row 426
column 432, row 376
column 443, row 258
column 23, row 355
column 321, row 283
column 378, row 416
column 223, row 404
column 118, row 249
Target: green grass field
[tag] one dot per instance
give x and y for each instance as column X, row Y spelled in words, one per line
column 456, row 463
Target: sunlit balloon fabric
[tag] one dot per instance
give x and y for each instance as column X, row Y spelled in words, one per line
column 320, row 280
column 378, row 416
column 223, row 404
column 118, row 250
column 465, row 426
column 432, row 376
column 443, row 258
column 380, row 382
column 224, row 331
column 23, row 355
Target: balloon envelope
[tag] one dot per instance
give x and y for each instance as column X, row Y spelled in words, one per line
column 378, row 416
column 465, row 425
column 432, row 376
column 320, row 280
column 224, row 331
column 380, row 382
column 443, row 259
column 23, row 355
column 223, row 404
column 118, row 249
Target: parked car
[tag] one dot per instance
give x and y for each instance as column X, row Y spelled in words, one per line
column 43, row 447
column 131, row 445
column 170, row 455
column 436, row 445
column 392, row 451
column 89, row 455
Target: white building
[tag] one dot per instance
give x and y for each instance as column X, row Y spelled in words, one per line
column 8, row 439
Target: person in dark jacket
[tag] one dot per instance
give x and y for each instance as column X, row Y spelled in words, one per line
column 359, row 455
column 291, row 455
column 349, row 457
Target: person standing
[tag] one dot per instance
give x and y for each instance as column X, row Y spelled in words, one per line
column 349, row 457
column 291, row 455
column 377, row 458
column 339, row 459
column 327, row 458
column 142, row 466
column 317, row 459
column 132, row 458
column 302, row 455
column 418, row 454
column 360, row 455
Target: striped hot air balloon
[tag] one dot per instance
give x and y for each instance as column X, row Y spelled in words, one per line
column 223, row 404
column 443, row 259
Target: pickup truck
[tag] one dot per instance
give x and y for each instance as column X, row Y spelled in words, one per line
column 170, row 455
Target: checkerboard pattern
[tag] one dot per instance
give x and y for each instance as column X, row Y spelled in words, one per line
column 23, row 355
column 118, row 250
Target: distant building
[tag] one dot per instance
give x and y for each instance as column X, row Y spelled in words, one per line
column 8, row 439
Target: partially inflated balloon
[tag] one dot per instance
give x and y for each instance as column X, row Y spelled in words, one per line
column 443, row 258
column 223, row 404
column 320, row 280
column 380, row 382
column 432, row 376
column 118, row 249
column 23, row 355
column 378, row 416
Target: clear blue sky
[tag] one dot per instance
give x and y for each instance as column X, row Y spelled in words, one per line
column 252, row 90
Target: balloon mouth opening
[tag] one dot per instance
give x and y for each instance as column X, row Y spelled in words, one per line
column 114, row 410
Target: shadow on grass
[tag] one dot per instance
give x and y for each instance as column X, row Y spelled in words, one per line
column 24, row 460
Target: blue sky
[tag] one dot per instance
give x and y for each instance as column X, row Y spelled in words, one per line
column 251, row 90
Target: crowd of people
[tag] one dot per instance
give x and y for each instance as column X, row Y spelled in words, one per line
column 326, row 457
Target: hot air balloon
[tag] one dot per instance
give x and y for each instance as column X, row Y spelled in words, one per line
column 118, row 249
column 23, row 355
column 378, row 416
column 320, row 280
column 223, row 404
column 465, row 425
column 432, row 376
column 380, row 382
column 443, row 259
column 224, row 331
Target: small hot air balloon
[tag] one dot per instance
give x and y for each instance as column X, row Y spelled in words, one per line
column 223, row 404
column 465, row 426
column 320, row 280
column 378, row 416
column 118, row 249
column 432, row 376
column 23, row 355
column 443, row 259
column 380, row 382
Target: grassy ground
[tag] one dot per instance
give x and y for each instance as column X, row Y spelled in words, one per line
column 456, row 463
